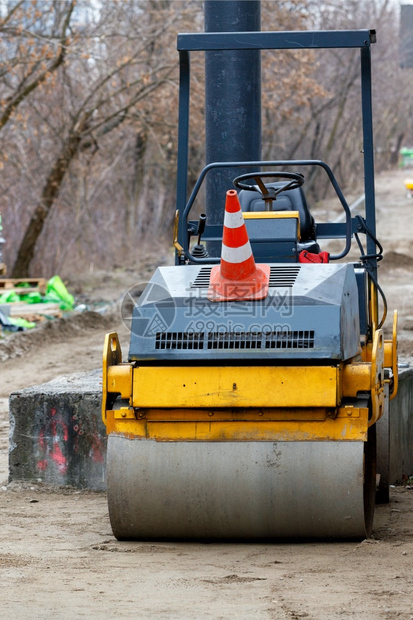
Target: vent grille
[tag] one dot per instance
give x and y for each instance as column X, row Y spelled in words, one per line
column 284, row 277
column 179, row 340
column 234, row 340
column 278, row 339
column 280, row 277
column 202, row 279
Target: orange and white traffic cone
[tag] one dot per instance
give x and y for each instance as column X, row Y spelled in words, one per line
column 237, row 278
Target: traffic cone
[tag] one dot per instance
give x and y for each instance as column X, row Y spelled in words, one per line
column 237, row 278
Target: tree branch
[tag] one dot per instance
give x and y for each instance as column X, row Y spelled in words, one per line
column 23, row 94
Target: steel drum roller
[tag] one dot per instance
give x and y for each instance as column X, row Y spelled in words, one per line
column 238, row 490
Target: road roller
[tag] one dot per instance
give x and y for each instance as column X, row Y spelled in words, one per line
column 258, row 370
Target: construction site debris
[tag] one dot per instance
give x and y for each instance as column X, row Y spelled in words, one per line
column 26, row 301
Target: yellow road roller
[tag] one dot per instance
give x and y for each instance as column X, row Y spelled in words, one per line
column 256, row 374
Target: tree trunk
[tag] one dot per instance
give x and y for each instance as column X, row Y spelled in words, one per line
column 394, row 155
column 50, row 192
column 138, row 184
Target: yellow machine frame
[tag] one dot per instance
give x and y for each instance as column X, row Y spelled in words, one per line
column 247, row 403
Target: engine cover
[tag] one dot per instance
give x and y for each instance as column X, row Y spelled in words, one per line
column 311, row 312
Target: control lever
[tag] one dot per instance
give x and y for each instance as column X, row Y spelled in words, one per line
column 199, row 250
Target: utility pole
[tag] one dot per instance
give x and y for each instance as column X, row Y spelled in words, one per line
column 232, row 102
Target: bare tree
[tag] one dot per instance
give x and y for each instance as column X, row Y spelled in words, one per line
column 33, row 42
column 112, row 65
column 330, row 127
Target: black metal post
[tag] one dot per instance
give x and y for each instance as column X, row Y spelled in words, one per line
column 232, row 102
column 368, row 150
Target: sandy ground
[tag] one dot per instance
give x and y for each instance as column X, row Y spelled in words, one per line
column 58, row 557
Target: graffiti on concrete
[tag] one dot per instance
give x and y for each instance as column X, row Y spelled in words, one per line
column 67, row 443
column 52, row 440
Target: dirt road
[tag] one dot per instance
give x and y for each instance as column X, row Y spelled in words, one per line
column 58, row 558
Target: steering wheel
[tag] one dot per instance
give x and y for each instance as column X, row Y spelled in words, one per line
column 294, row 180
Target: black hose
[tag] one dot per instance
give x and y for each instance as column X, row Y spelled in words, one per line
column 364, row 258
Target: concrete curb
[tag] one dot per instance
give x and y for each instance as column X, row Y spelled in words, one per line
column 401, row 429
column 57, row 436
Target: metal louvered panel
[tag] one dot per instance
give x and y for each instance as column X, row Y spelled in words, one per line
column 280, row 277
column 287, row 339
column 278, row 339
column 234, row 340
column 179, row 340
column 202, row 279
column 284, row 277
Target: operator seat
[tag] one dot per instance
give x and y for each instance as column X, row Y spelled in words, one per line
column 290, row 200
